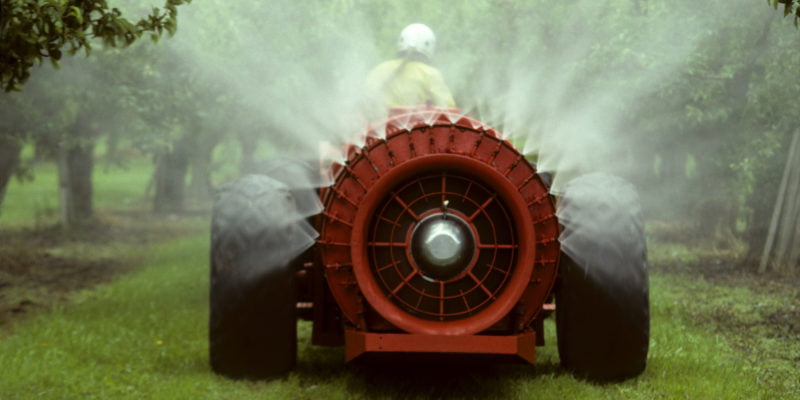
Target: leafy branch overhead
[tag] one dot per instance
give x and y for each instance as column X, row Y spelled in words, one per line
column 790, row 7
column 31, row 30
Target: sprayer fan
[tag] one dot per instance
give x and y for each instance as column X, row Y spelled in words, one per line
column 442, row 246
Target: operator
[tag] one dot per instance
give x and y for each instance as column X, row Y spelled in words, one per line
column 408, row 80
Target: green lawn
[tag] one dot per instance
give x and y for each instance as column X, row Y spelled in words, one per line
column 144, row 336
column 36, row 202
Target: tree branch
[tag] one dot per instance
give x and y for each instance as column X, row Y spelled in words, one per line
column 32, row 30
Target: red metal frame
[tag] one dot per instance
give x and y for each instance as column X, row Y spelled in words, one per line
column 410, row 146
column 358, row 343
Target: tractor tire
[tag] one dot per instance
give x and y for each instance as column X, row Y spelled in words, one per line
column 252, row 320
column 602, row 295
column 301, row 176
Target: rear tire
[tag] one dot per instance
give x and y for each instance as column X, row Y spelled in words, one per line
column 252, row 320
column 602, row 295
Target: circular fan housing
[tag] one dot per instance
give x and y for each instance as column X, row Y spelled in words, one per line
column 441, row 228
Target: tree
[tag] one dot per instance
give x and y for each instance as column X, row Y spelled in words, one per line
column 185, row 117
column 33, row 30
column 37, row 29
column 17, row 118
column 71, row 108
column 790, row 7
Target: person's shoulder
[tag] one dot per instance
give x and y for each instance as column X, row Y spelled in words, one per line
column 389, row 64
column 380, row 71
column 425, row 68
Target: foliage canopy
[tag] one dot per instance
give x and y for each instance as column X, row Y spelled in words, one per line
column 35, row 29
column 790, row 7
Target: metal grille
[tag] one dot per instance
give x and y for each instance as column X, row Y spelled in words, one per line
column 481, row 282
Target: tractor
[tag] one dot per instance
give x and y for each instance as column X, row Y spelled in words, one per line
column 435, row 237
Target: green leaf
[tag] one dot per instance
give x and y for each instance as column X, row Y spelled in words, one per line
column 76, row 12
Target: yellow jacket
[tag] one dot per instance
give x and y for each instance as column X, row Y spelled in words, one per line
column 404, row 83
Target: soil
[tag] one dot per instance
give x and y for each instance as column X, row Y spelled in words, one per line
column 40, row 267
column 31, row 277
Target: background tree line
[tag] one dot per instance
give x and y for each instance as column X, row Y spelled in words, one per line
column 706, row 120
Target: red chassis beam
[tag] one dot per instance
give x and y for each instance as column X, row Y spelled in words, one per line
column 359, row 342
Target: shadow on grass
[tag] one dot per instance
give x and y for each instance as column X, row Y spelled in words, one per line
column 404, row 375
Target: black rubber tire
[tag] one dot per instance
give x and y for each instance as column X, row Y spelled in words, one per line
column 252, row 320
column 602, row 294
column 301, row 176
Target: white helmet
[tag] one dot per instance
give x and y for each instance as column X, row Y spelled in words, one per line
column 417, row 37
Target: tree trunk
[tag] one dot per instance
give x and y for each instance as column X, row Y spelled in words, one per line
column 782, row 249
column 75, row 168
column 170, row 179
column 766, row 189
column 10, row 149
column 200, row 183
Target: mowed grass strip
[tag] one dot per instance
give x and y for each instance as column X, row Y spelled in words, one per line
column 143, row 336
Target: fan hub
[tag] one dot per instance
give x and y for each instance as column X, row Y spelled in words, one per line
column 442, row 246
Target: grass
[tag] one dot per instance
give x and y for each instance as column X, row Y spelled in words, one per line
column 36, row 202
column 27, row 202
column 143, row 336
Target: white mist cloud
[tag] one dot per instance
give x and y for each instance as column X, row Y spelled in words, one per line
column 561, row 79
